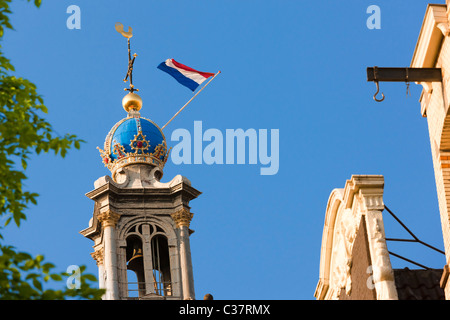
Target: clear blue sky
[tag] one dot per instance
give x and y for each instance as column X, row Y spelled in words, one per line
column 296, row 66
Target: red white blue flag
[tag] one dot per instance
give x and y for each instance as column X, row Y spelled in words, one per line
column 185, row 75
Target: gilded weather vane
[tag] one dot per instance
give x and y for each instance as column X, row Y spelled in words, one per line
column 129, row 75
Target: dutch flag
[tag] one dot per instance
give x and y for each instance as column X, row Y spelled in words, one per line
column 183, row 74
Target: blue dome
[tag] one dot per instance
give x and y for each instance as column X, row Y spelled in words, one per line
column 128, row 130
column 135, row 135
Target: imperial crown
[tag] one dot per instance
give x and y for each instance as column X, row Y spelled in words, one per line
column 134, row 139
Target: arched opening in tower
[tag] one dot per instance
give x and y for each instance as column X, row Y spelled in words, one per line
column 135, row 262
column 161, row 266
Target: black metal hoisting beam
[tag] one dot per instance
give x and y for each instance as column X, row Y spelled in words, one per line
column 404, row 74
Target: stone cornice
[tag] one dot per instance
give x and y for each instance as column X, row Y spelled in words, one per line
column 372, row 186
column 92, row 231
column 191, row 192
column 434, row 28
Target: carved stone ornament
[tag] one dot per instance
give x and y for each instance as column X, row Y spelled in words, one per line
column 182, row 217
column 345, row 233
column 108, row 218
column 98, row 256
column 444, row 27
column 382, row 266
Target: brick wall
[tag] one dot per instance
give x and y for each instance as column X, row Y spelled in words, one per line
column 436, row 105
column 361, row 281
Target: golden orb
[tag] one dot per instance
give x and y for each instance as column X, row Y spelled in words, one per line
column 132, row 102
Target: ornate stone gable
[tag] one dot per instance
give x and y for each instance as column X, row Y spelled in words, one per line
column 361, row 199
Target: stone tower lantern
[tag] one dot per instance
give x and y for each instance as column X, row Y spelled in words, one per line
column 140, row 226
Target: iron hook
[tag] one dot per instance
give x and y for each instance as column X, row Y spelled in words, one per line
column 376, row 93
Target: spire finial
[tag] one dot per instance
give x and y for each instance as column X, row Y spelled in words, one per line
column 131, row 102
column 129, row 75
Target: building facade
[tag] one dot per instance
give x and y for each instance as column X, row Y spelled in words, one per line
column 433, row 51
column 354, row 261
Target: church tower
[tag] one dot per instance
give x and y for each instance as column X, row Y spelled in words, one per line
column 140, row 225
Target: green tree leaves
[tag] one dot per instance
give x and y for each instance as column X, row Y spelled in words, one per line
column 24, row 277
column 23, row 132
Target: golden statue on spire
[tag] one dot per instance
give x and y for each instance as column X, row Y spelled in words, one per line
column 131, row 101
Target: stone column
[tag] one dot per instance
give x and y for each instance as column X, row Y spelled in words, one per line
column 109, row 220
column 98, row 257
column 370, row 198
column 182, row 219
column 148, row 263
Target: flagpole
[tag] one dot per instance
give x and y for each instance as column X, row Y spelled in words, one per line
column 190, row 100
